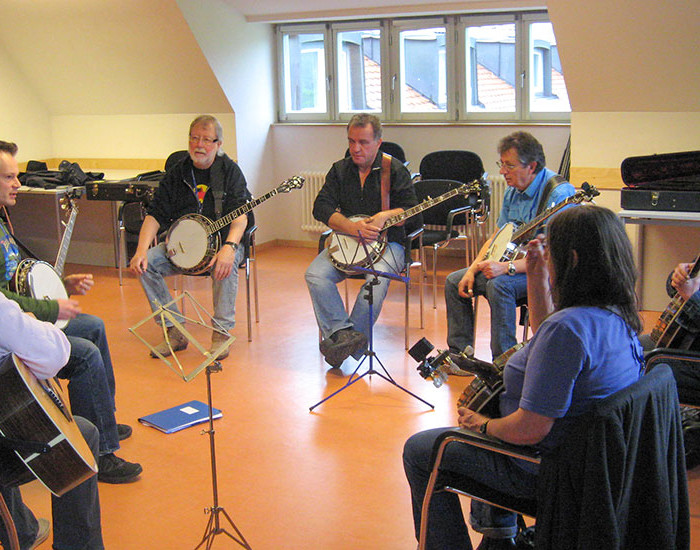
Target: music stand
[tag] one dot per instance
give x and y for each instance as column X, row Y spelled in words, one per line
column 368, row 287
column 211, row 365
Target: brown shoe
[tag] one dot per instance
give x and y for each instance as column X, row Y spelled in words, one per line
column 175, row 341
column 217, row 340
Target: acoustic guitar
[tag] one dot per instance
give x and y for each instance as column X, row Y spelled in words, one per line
column 668, row 333
column 35, row 413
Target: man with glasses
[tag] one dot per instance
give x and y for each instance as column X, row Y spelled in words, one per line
column 532, row 188
column 205, row 182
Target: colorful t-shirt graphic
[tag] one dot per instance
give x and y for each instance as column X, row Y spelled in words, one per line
column 10, row 252
column 201, row 190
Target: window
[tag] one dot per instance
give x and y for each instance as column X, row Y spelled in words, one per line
column 498, row 67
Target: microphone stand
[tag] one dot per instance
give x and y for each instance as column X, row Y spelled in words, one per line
column 369, row 296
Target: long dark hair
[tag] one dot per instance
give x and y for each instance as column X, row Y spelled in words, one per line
column 593, row 262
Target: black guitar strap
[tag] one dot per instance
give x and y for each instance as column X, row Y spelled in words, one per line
column 553, row 182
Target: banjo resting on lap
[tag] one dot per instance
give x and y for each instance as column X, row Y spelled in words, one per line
column 347, row 252
column 193, row 240
column 40, row 280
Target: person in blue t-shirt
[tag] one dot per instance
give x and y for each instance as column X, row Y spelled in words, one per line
column 532, row 188
column 583, row 310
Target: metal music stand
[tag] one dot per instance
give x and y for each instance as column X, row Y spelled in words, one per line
column 211, row 365
column 368, row 287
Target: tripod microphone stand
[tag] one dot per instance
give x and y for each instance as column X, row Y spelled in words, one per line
column 214, row 527
column 369, row 296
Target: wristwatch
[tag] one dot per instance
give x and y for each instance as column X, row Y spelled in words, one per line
column 232, row 245
column 511, row 268
column 482, row 428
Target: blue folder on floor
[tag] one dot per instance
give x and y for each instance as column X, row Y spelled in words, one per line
column 180, row 417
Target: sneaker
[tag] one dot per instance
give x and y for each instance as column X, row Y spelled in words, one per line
column 112, row 469
column 42, row 533
column 217, row 339
column 124, row 431
column 341, row 345
column 176, row 341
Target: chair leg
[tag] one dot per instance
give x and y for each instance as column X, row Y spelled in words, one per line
column 435, row 251
column 253, row 259
column 407, row 299
column 247, row 299
column 421, row 274
column 122, row 243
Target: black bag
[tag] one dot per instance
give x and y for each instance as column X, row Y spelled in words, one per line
column 664, row 182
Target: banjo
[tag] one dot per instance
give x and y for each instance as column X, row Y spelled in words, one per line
column 193, row 240
column 347, row 252
column 507, row 242
column 481, row 394
column 40, row 280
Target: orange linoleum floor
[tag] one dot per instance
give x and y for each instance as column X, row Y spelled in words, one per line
column 330, row 479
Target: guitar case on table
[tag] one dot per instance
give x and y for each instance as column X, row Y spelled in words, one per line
column 664, row 182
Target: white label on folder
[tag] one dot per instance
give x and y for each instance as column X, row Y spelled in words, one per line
column 189, row 410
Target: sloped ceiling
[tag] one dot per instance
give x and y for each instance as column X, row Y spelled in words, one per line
column 105, row 57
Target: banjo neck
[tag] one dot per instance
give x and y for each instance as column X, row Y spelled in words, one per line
column 587, row 194
column 247, row 207
column 65, row 239
column 467, row 188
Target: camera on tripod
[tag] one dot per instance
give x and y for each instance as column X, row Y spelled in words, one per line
column 436, row 367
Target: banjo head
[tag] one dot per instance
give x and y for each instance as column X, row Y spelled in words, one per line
column 39, row 280
column 189, row 244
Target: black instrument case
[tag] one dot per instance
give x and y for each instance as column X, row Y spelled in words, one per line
column 664, row 182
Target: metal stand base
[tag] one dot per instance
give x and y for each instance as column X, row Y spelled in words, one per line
column 369, row 288
column 213, row 527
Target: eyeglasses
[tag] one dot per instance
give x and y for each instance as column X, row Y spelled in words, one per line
column 507, row 165
column 205, row 140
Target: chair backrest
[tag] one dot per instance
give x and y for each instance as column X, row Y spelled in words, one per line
column 621, row 464
column 437, row 215
column 174, row 158
column 131, row 215
column 463, row 166
column 391, row 148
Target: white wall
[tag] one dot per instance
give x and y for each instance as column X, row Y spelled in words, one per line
column 242, row 57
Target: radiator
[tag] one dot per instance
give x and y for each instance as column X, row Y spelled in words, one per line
column 498, row 189
column 312, row 185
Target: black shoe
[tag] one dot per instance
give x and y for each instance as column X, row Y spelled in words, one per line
column 113, row 469
column 341, row 345
column 124, row 431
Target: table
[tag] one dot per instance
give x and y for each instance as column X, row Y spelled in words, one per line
column 655, row 217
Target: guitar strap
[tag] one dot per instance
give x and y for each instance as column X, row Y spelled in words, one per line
column 386, row 180
column 553, row 182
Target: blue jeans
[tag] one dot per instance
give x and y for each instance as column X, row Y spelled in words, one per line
column 322, row 278
column 76, row 515
column 502, row 292
column 158, row 294
column 446, row 527
column 91, row 385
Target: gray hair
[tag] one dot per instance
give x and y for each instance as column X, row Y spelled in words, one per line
column 209, row 120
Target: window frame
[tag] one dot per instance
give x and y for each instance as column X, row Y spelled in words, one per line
column 456, row 68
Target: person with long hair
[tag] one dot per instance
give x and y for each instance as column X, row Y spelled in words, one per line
column 584, row 311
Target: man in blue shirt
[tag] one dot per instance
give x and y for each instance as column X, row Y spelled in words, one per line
column 532, row 188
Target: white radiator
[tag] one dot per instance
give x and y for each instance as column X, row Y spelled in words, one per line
column 498, row 188
column 312, row 185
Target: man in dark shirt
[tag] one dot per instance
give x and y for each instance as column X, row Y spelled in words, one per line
column 191, row 186
column 352, row 188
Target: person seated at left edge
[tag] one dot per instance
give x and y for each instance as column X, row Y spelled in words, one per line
column 352, row 187
column 91, row 387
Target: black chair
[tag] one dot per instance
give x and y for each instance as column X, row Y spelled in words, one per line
column 464, row 166
column 441, row 219
column 621, row 464
column 174, row 158
column 409, row 244
column 129, row 221
column 391, row 148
